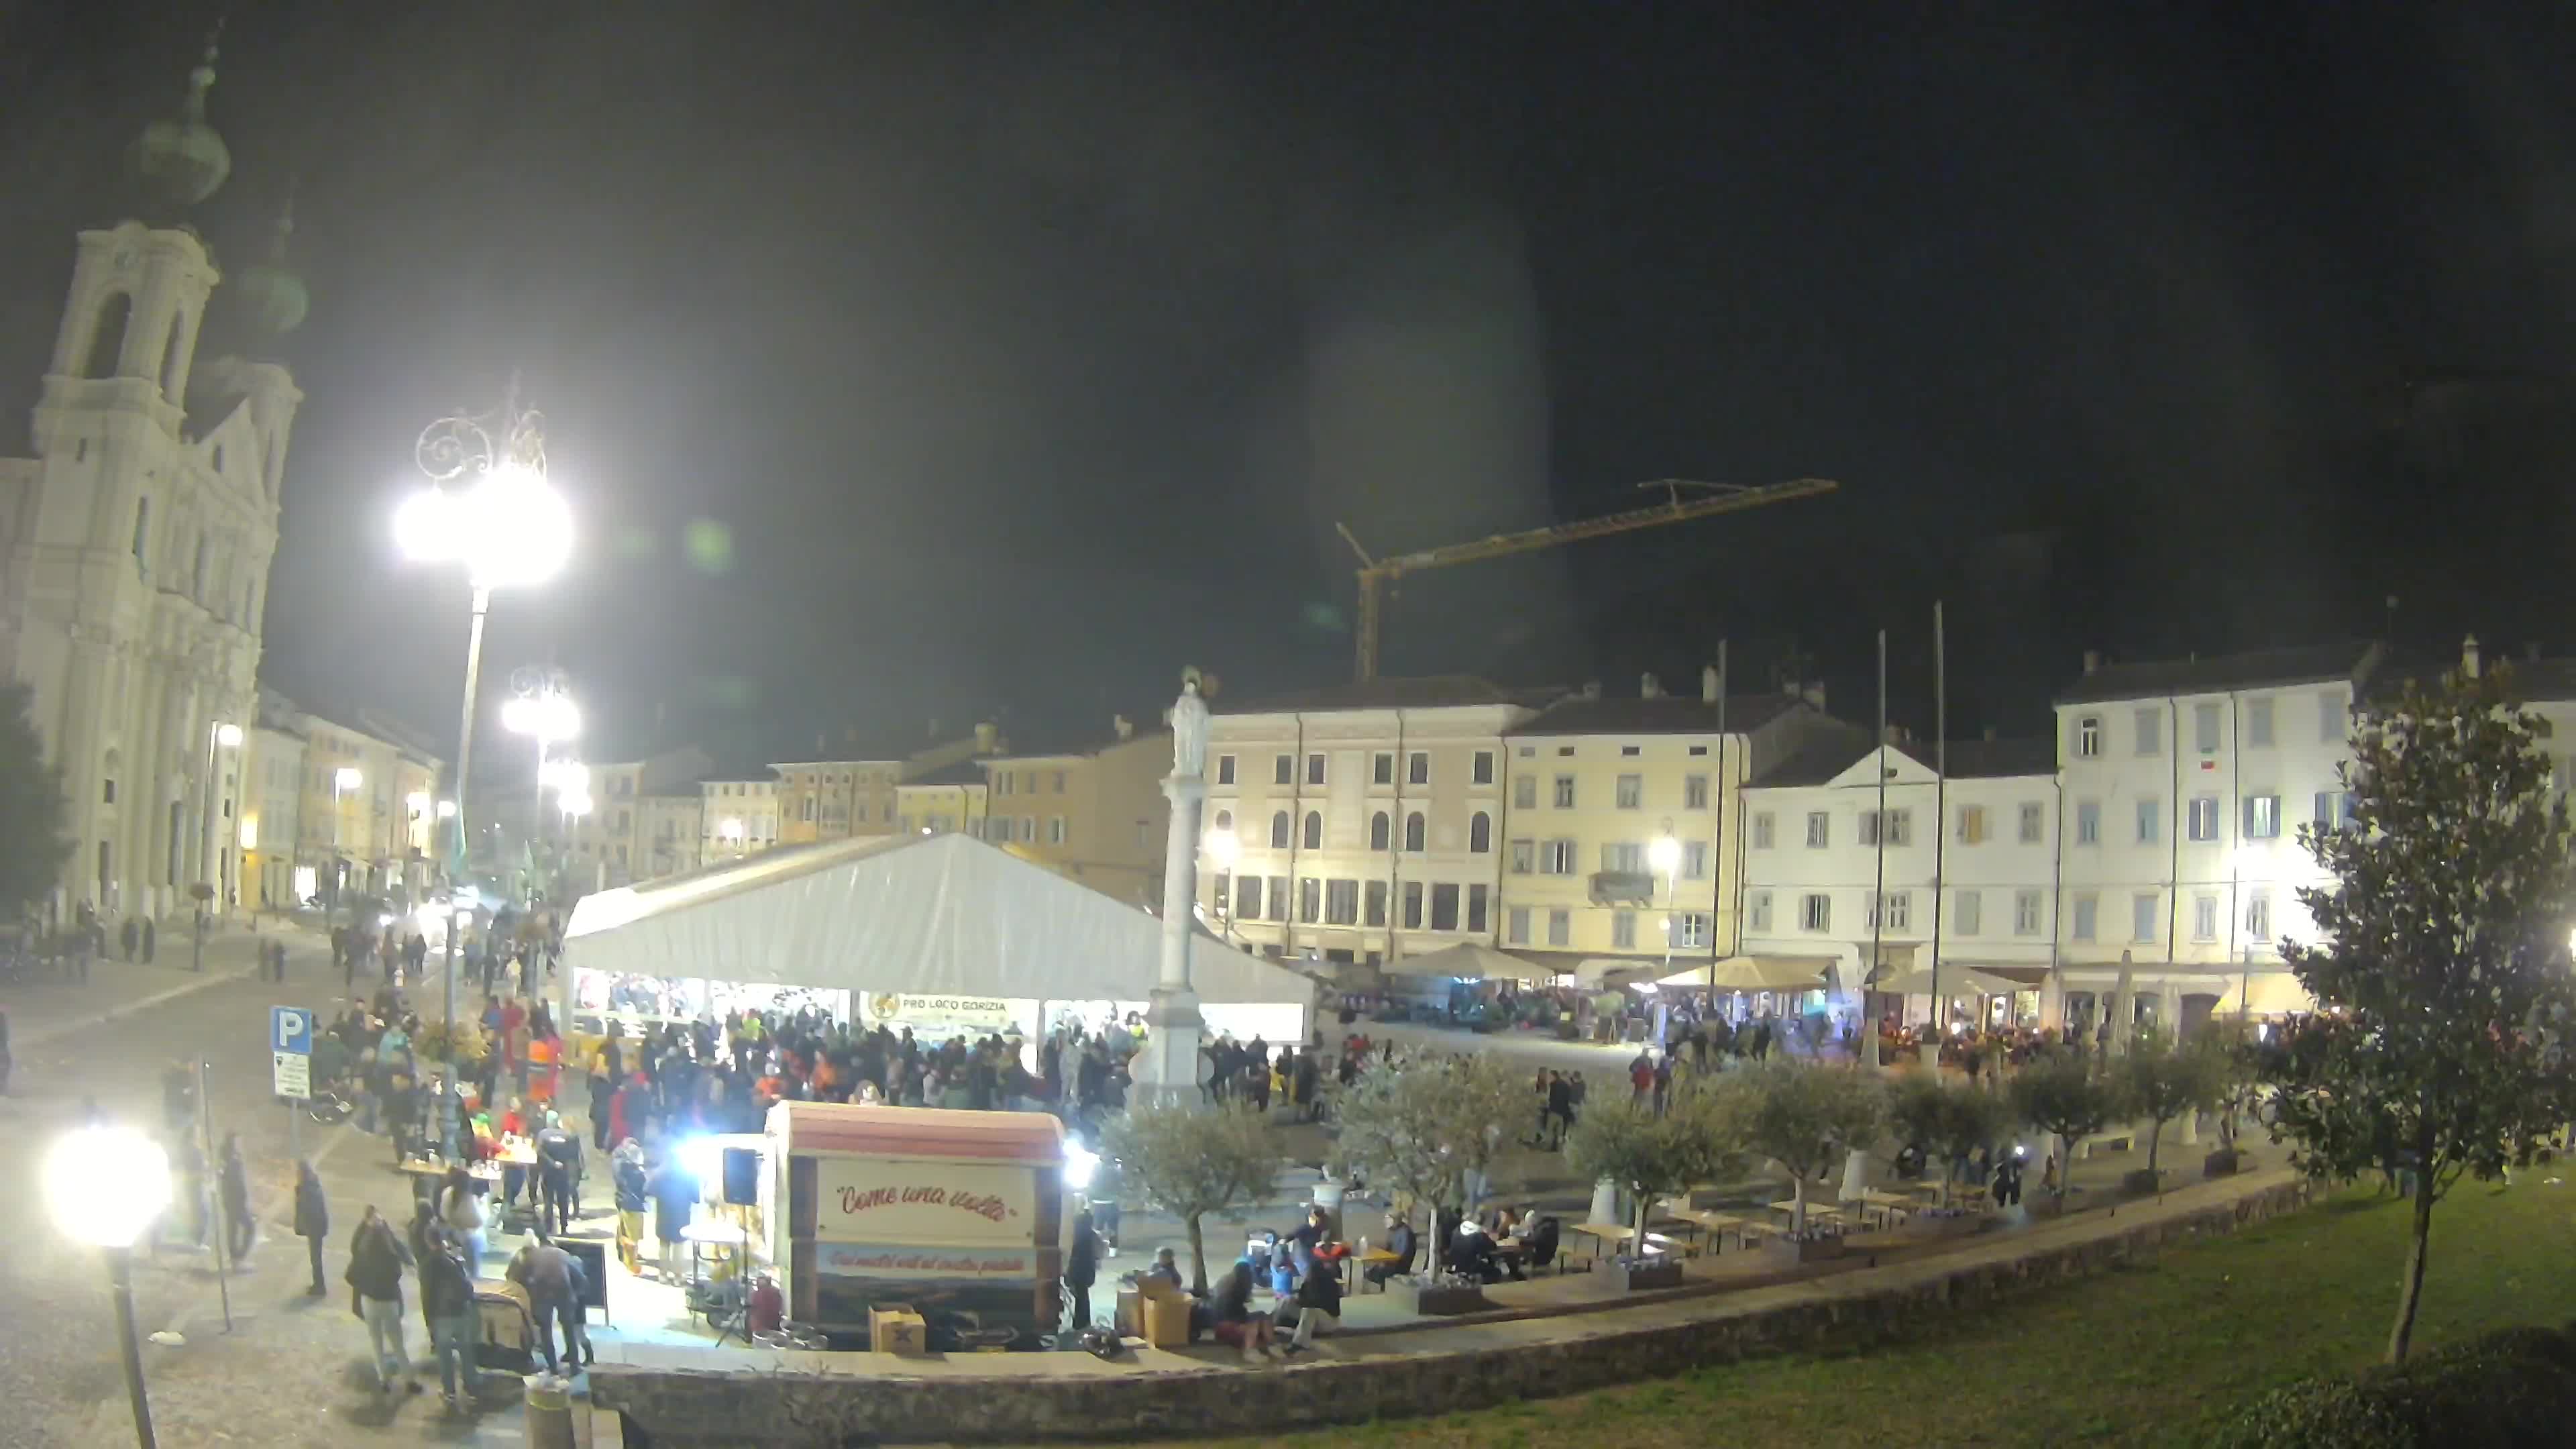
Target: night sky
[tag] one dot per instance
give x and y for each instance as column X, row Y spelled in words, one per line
column 939, row 360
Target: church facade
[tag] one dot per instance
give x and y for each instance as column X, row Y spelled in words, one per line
column 135, row 548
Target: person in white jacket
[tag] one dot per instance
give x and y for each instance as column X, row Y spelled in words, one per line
column 460, row 1208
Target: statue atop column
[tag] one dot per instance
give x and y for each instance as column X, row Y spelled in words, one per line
column 1189, row 729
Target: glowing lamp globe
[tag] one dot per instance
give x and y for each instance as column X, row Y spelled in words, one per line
column 105, row 1185
column 229, row 736
column 546, row 716
column 347, row 777
column 509, row 527
column 1224, row 847
column 1664, row 854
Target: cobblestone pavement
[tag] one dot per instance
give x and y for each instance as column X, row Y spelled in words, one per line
column 291, row 1372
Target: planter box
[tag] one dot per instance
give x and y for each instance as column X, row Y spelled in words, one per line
column 1922, row 1229
column 2225, row 1162
column 1441, row 1302
column 1811, row 1250
column 1638, row 1277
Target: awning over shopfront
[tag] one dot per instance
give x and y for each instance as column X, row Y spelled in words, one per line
column 1614, row 971
column 1466, row 961
column 2266, row 993
column 1957, row 979
column 1766, row 973
column 936, row 914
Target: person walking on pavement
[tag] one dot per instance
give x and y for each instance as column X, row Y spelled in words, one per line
column 129, row 936
column 312, row 1219
column 149, row 932
column 558, row 1175
column 240, row 1227
column 447, row 1298
column 554, row 1281
column 376, row 1261
column 1082, row 1267
column 626, row 1176
column 460, row 1211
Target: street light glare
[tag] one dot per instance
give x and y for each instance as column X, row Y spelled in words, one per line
column 546, row 716
column 229, row 736
column 510, row 528
column 575, row 802
column 1224, row 847
column 106, row 1184
column 1664, row 854
column 347, row 777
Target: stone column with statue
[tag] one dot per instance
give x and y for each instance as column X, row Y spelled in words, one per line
column 1165, row 1071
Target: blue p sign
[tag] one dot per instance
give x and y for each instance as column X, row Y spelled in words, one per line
column 290, row 1029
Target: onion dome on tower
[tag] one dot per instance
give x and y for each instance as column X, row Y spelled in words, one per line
column 180, row 161
column 269, row 296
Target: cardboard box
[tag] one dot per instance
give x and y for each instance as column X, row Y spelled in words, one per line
column 897, row 1330
column 1167, row 1320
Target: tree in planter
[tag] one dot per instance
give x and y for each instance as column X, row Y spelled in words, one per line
column 2234, row 1062
column 1191, row 1162
column 33, row 847
column 2160, row 1080
column 1423, row 1125
column 1697, row 1139
column 2060, row 1095
column 1804, row 1118
column 2441, row 959
column 1947, row 1120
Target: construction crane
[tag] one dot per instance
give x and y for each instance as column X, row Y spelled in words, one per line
column 1708, row 500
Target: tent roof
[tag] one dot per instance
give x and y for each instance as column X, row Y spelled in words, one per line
column 1467, row 959
column 1761, row 973
column 907, row 913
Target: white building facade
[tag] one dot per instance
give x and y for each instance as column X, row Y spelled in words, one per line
column 738, row 817
column 137, row 544
column 1874, row 887
column 1367, row 818
column 2185, row 786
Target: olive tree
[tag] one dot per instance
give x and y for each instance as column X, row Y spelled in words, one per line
column 2161, row 1080
column 2441, row 955
column 1947, row 1120
column 2059, row 1093
column 1696, row 1139
column 1191, row 1161
column 34, row 846
column 1804, row 1118
column 1426, row 1125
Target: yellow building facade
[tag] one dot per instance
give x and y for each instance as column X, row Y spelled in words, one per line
column 1596, row 782
column 1094, row 813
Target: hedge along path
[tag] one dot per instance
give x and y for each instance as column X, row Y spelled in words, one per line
column 2151, row 1353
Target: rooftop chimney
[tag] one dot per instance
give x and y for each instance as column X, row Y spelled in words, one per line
column 1123, row 727
column 1592, row 689
column 1708, row 684
column 987, row 737
column 1649, row 687
column 2469, row 656
column 2092, row 660
column 1895, row 734
column 1813, row 694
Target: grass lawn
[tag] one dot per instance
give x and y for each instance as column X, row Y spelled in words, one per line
column 2146, row 1355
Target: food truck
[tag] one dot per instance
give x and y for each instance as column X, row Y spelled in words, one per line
column 957, row 1216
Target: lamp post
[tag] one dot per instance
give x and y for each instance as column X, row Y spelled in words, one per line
column 344, row 781
column 105, row 1186
column 1224, row 848
column 1665, row 855
column 541, row 708
column 489, row 508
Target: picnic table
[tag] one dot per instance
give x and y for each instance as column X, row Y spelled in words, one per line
column 1375, row 1258
column 1713, row 1223
column 1887, row 1205
column 1611, row 1237
column 1816, row 1212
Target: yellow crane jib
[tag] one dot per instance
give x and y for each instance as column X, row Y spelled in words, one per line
column 1684, row 501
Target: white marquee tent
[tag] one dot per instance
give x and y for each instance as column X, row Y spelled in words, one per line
column 939, row 914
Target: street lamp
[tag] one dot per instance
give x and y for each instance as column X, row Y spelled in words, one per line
column 1665, row 855
column 105, row 1186
column 220, row 735
column 489, row 508
column 543, row 710
column 1224, row 848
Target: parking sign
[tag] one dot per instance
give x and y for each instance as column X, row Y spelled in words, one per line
column 290, row 1050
